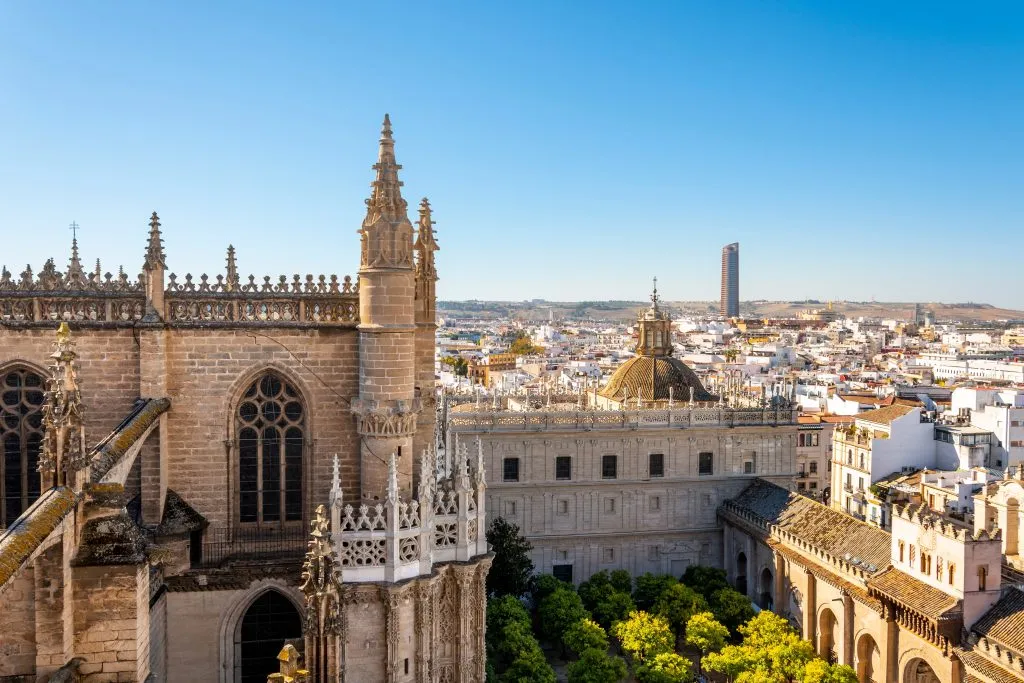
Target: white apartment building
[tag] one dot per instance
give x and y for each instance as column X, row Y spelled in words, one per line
column 1000, row 411
column 878, row 443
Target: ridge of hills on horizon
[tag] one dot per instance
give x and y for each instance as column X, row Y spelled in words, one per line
column 620, row 310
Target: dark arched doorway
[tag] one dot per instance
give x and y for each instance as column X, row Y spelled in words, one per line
column 919, row 671
column 741, row 573
column 270, row 620
column 765, row 600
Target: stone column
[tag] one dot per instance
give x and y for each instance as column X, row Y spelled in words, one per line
column 49, row 609
column 811, row 610
column 778, row 600
column 848, row 614
column 888, row 647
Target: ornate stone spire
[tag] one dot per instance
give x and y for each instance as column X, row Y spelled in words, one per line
column 426, row 244
column 232, row 270
column 155, row 249
column 63, row 450
column 98, row 273
column 386, row 233
column 75, row 272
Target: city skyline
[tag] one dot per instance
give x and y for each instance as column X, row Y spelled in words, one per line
column 844, row 147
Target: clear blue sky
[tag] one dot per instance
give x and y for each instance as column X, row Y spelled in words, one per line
column 571, row 150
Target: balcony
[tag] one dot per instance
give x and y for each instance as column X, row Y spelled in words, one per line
column 222, row 547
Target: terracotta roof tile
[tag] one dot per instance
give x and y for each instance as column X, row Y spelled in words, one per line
column 650, row 378
column 1004, row 623
column 821, row 526
column 885, row 416
column 981, row 669
column 915, row 594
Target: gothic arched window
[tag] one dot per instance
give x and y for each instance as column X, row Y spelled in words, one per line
column 271, row 431
column 21, row 434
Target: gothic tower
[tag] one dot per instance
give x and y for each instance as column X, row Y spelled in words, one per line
column 426, row 327
column 387, row 406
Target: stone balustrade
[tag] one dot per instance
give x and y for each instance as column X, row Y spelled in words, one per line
column 400, row 539
column 596, row 420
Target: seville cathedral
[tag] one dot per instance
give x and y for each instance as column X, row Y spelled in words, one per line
column 196, row 472
column 169, row 444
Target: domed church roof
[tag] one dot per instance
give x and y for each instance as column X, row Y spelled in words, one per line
column 650, row 378
column 654, row 375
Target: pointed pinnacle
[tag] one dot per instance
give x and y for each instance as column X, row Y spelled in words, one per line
column 385, row 128
column 155, row 247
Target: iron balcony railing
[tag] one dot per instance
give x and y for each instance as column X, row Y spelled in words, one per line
column 222, row 546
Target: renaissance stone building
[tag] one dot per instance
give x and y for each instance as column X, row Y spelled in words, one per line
column 164, row 460
column 628, row 476
column 931, row 602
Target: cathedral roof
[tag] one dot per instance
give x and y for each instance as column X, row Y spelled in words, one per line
column 819, row 525
column 651, row 377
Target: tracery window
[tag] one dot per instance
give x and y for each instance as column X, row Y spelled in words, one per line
column 271, row 428
column 21, row 433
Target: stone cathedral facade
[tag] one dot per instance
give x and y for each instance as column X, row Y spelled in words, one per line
column 166, row 455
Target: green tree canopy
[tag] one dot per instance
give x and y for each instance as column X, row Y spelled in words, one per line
column 597, row 666
column 677, row 604
column 530, row 667
column 644, row 635
column 585, row 634
column 558, row 612
column 771, row 652
column 546, row 584
column 514, row 642
column 512, row 570
column 522, row 346
column 622, row 581
column 731, row 608
column 503, row 612
column 615, row 607
column 649, row 587
column 820, row 671
column 705, row 633
column 705, row 580
column 665, row 667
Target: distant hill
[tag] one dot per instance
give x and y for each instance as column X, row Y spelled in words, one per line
column 621, row 311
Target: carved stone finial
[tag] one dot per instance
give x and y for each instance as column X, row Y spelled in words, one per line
column 231, row 283
column 75, row 272
column 63, row 448
column 155, row 248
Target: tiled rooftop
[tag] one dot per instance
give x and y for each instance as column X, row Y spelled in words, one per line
column 821, row 526
column 1004, row 623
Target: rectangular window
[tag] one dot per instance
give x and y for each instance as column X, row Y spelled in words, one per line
column 563, row 507
column 562, row 572
column 812, row 467
column 814, row 485
column 510, row 469
column 656, row 464
column 748, row 467
column 901, row 551
column 860, row 483
column 609, row 505
column 952, row 573
column 800, row 486
column 655, row 503
column 982, row 577
column 652, row 553
column 706, row 464
column 609, row 466
column 563, row 467
column 609, row 555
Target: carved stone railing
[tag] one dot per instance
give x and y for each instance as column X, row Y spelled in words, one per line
column 90, row 300
column 596, row 420
column 398, row 539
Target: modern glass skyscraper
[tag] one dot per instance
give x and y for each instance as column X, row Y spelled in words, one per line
column 730, row 305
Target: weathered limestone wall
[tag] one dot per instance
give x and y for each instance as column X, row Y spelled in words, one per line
column 108, row 362
column 209, row 369
column 17, row 626
column 49, row 609
column 111, row 632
